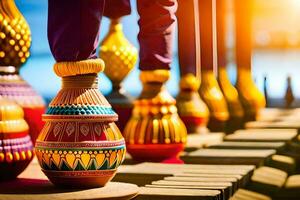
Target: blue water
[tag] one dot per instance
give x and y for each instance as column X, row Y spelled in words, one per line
column 38, row 69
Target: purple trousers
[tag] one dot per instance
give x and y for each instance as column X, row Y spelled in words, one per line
column 74, row 25
column 188, row 36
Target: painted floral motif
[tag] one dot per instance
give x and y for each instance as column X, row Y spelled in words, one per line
column 70, row 128
column 84, row 129
column 98, row 129
column 57, row 129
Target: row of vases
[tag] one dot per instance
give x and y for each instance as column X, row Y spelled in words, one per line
column 80, row 144
column 217, row 104
column 18, row 101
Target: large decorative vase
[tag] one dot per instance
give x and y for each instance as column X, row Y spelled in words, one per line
column 235, row 109
column 14, row 51
column 121, row 56
column 16, row 149
column 80, row 145
column 191, row 109
column 155, row 132
column 213, row 97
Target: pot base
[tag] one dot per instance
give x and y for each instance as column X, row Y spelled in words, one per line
column 80, row 179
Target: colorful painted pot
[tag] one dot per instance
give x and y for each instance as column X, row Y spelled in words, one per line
column 13, row 87
column 155, row 132
column 80, row 145
column 15, row 43
column 16, row 149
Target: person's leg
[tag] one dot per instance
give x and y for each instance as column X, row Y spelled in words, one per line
column 188, row 34
column 209, row 89
column 155, row 131
column 115, row 9
column 229, row 91
column 157, row 29
column 73, row 28
column 191, row 109
column 252, row 99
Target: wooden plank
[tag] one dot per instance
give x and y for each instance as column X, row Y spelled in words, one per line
column 227, row 157
column 239, row 178
column 273, row 125
column 295, row 156
column 293, row 182
column 263, row 135
column 245, row 175
column 243, row 194
column 222, row 189
column 176, row 167
column 227, row 192
column 147, row 193
column 236, row 176
column 196, row 141
column 291, row 189
column 273, row 114
column 278, row 146
column 145, row 173
column 231, row 180
column 278, row 114
column 284, row 163
column 267, row 180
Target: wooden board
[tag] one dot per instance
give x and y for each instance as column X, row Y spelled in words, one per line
column 236, row 176
column 293, row 182
column 239, row 178
column 278, row 114
column 273, row 125
column 145, row 173
column 267, row 180
column 33, row 184
column 291, row 189
column 147, row 193
column 196, row 141
column 226, row 156
column 243, row 194
column 284, row 163
column 231, row 180
column 273, row 114
column 263, row 135
column 225, row 193
column 35, row 189
column 278, row 146
column 179, row 167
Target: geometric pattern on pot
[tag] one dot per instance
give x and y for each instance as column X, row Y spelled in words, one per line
column 81, row 156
